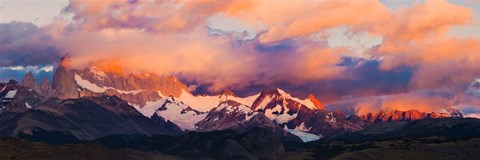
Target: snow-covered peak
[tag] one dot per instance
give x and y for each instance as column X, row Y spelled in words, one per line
column 206, row 103
column 311, row 103
column 180, row 114
column 235, row 109
column 150, row 108
column 278, row 94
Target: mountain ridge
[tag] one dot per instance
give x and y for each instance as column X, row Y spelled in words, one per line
column 167, row 102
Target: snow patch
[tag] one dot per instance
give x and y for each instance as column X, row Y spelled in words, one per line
column 240, row 109
column 11, row 94
column 307, row 102
column 28, row 105
column 264, row 103
column 206, row 103
column 3, row 89
column 151, row 107
column 248, row 101
column 302, row 127
column 306, row 137
column 178, row 114
column 274, row 114
column 330, row 118
column 88, row 85
column 94, row 88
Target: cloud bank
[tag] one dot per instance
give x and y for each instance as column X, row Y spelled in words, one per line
column 416, row 65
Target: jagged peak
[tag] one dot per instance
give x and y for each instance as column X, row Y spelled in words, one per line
column 229, row 103
column 270, row 91
column 315, row 101
column 228, row 92
column 29, row 80
column 45, row 81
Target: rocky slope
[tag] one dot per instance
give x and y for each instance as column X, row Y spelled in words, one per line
column 80, row 119
column 7, row 93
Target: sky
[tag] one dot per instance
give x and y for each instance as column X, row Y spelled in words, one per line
column 358, row 55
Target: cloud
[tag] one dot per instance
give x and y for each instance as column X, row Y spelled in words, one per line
column 26, row 44
column 412, row 61
column 18, row 72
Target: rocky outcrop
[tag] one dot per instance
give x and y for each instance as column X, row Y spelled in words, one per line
column 29, row 81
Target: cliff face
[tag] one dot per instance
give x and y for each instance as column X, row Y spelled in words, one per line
column 63, row 81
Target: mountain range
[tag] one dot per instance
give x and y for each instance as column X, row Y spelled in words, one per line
column 151, row 105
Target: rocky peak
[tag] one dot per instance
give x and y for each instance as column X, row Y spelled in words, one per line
column 63, row 80
column 170, row 85
column 270, row 91
column 269, row 97
column 228, row 92
column 45, row 82
column 315, row 101
column 46, row 89
column 29, row 81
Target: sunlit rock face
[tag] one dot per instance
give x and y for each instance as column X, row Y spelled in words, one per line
column 396, row 115
column 97, row 80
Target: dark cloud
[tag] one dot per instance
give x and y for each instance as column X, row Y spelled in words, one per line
column 29, row 56
column 286, row 46
column 368, row 80
column 24, row 44
column 16, row 31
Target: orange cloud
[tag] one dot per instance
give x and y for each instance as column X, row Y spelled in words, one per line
column 171, row 38
column 404, row 102
column 287, row 20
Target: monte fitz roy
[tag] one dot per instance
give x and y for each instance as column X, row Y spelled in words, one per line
column 146, row 104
